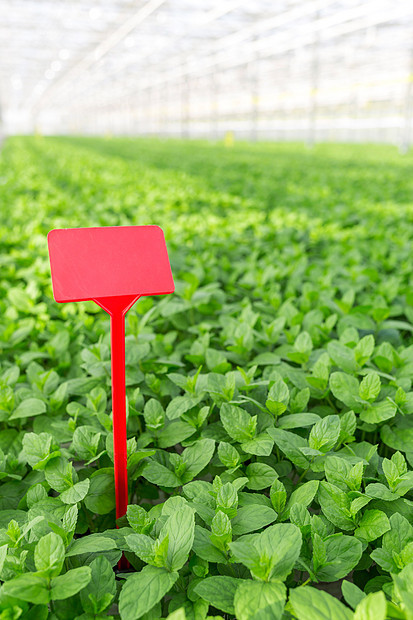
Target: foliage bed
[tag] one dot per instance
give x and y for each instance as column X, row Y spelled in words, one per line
column 270, row 398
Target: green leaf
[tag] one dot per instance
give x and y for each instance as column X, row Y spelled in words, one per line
column 397, row 438
column 324, row 434
column 298, row 420
column 335, row 506
column 373, row 524
column 345, row 388
column 278, row 496
column 35, row 494
column 252, row 517
column 143, row 590
column 180, row 529
column 342, row 356
column 379, row 412
column 390, row 471
column 58, row 473
column 372, row 607
column 70, row 583
column 260, row 601
column 175, row 432
column 260, row 476
column 30, row 587
column 394, row 542
column 93, row 543
column 237, row 422
column 343, row 553
column 261, row 445
column 27, row 408
column 352, row 594
column 377, row 490
column 219, row 591
column 154, row 414
column 49, row 554
column 197, row 457
column 3, row 555
column 228, row 455
column 139, row 519
column 317, row 605
column 148, row 550
column 370, row 387
column 337, row 471
column 204, row 548
column 303, row 495
column 290, row 444
column 278, row 397
column 85, row 442
column 76, row 493
column 364, row 349
column 272, row 554
column 160, row 475
column 181, row 404
column 101, row 590
column 227, row 499
column 37, row 449
column 101, row 494
column 348, row 423
column 319, row 552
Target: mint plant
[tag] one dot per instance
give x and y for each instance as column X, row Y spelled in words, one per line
column 269, row 400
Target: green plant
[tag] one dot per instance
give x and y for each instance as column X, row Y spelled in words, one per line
column 270, row 398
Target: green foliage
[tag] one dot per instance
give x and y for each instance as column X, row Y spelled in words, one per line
column 270, row 400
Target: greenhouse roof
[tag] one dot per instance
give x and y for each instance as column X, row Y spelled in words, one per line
column 80, row 57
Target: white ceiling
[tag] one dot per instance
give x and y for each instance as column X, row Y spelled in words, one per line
column 97, row 55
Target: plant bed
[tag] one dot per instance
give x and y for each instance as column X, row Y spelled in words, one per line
column 270, row 401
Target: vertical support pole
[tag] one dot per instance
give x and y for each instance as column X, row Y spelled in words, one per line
column 314, row 76
column 213, row 91
column 408, row 111
column 185, row 101
column 117, row 337
column 253, row 69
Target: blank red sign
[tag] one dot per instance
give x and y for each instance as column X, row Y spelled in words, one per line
column 88, row 263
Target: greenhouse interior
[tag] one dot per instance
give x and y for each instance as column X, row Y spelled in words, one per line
column 206, row 310
column 285, row 70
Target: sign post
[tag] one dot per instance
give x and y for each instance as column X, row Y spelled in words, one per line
column 112, row 266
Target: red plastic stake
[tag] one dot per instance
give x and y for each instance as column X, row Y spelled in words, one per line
column 117, row 307
column 113, row 266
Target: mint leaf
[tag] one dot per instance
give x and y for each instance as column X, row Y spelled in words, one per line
column 370, row 387
column 372, row 607
column 70, row 583
column 98, row 594
column 30, row 587
column 278, row 397
column 253, row 599
column 219, row 591
column 345, row 388
column 342, row 554
column 28, row 408
column 49, row 554
column 90, row 544
column 317, row 605
column 251, row 518
column 373, row 524
column 237, row 422
column 75, row 493
column 143, row 590
column 324, row 434
column 335, row 506
column 180, row 529
column 352, row 593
